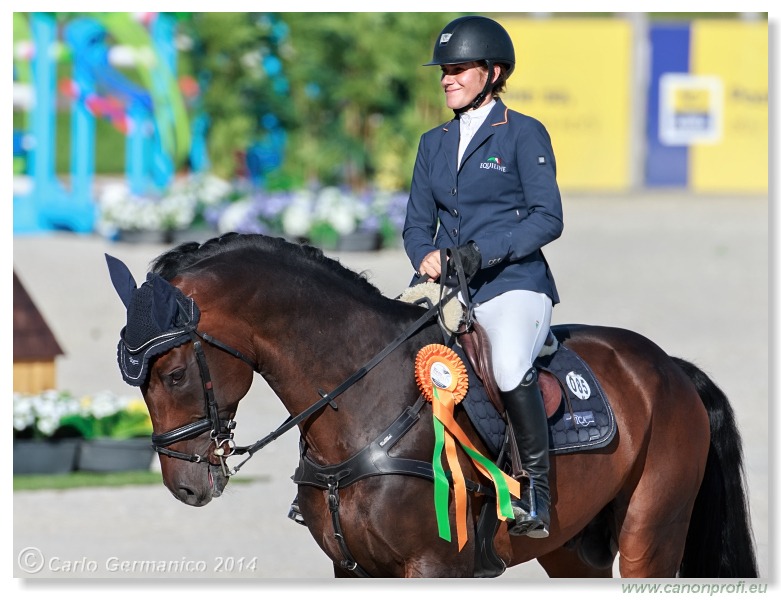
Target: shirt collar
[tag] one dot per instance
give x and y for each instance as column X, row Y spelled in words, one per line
column 478, row 114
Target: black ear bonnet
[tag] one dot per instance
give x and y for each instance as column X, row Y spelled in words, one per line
column 159, row 318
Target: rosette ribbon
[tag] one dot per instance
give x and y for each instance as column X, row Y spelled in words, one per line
column 443, row 380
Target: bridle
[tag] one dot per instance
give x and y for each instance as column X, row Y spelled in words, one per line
column 220, row 430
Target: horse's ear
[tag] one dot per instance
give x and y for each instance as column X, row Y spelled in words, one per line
column 122, row 279
column 164, row 304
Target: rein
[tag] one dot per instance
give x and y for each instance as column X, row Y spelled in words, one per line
column 221, row 430
column 336, row 476
column 330, row 397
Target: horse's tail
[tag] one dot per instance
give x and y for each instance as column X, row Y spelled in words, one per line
column 720, row 541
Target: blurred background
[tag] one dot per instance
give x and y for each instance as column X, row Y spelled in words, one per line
column 306, row 124
column 136, row 131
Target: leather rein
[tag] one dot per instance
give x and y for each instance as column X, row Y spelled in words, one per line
column 332, row 477
column 221, row 430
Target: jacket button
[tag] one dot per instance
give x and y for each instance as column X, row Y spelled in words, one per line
column 453, row 191
column 455, row 212
column 454, row 232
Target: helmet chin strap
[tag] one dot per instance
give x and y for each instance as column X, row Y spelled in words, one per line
column 481, row 96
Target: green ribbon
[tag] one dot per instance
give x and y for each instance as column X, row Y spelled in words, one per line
column 502, row 490
column 441, row 483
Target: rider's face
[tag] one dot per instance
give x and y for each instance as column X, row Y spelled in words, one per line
column 462, row 83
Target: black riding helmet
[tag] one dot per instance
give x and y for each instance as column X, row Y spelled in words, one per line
column 474, row 39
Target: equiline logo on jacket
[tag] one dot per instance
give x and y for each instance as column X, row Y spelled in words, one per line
column 493, row 162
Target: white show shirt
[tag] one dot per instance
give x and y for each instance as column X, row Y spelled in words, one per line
column 469, row 123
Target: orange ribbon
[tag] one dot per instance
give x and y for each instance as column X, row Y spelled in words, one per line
column 443, row 380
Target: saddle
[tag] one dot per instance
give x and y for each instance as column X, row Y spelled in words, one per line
column 580, row 417
column 477, row 348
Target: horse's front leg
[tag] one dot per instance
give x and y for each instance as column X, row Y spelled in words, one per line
column 391, row 529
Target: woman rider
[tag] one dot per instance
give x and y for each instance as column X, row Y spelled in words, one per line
column 484, row 184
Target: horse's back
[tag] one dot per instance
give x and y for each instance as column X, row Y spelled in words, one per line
column 646, row 479
column 627, row 363
column 642, row 382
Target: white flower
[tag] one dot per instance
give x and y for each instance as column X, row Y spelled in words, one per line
column 234, row 215
column 24, row 413
column 338, row 209
column 297, row 218
column 44, row 412
column 177, row 211
column 342, row 218
column 213, row 190
column 104, row 404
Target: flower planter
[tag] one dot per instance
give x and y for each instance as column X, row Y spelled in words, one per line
column 45, row 456
column 141, row 236
column 193, row 234
column 360, row 241
column 106, row 455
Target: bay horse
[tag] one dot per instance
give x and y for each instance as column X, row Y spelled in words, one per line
column 667, row 494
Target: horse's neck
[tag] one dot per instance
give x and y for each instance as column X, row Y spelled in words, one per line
column 319, row 354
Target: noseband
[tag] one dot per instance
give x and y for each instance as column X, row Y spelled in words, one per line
column 220, row 430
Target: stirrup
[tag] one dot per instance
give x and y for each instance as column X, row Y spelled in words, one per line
column 526, row 524
column 535, row 529
column 529, row 519
column 295, row 514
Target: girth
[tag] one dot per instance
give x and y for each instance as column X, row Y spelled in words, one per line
column 373, row 460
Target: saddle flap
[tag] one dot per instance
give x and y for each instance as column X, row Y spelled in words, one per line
column 477, row 348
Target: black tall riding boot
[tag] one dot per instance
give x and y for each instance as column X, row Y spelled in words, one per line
column 526, row 412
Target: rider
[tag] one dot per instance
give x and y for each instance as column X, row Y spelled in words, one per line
column 484, row 183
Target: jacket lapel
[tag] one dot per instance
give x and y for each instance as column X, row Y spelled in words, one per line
column 450, row 144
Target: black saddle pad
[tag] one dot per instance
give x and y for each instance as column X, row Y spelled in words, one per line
column 583, row 421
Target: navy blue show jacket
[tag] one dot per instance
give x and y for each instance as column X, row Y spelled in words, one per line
column 505, row 198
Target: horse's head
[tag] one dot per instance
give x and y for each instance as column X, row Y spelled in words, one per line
column 191, row 383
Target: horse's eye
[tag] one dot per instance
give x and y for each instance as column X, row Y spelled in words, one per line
column 175, row 377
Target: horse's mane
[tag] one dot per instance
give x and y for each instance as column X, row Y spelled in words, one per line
column 187, row 256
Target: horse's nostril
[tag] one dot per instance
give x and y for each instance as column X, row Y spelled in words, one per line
column 187, row 495
column 185, row 492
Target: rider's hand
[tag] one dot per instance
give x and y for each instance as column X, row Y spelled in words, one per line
column 431, row 265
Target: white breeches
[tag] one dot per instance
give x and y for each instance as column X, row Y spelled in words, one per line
column 517, row 323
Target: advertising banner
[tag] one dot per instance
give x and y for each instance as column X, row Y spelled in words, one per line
column 574, row 75
column 707, row 124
